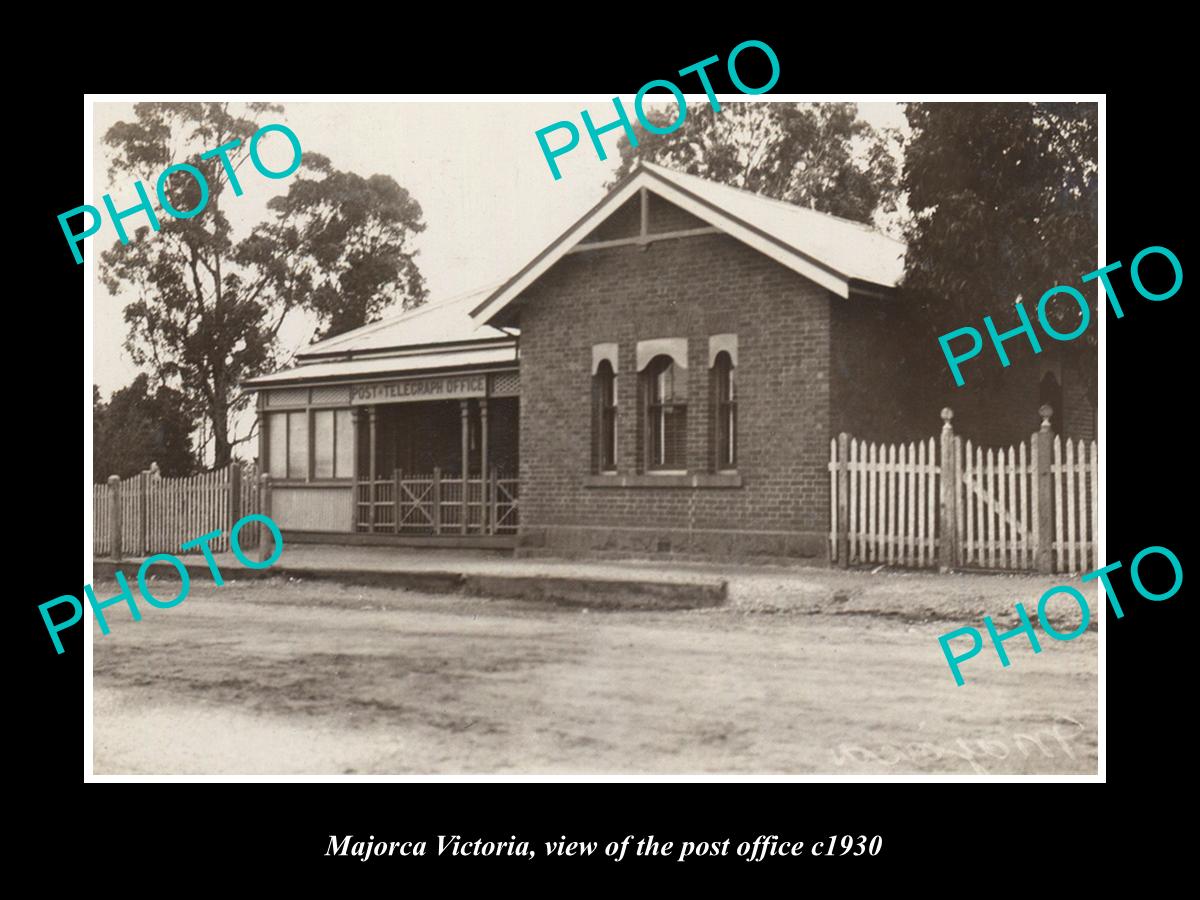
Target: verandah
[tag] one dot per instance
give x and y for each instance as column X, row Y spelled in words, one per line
column 447, row 467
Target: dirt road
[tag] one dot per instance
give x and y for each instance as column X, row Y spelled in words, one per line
column 274, row 677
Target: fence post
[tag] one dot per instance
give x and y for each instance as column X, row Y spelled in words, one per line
column 235, row 493
column 1045, row 489
column 144, row 511
column 264, row 507
column 843, row 500
column 949, row 505
column 114, row 516
column 437, row 500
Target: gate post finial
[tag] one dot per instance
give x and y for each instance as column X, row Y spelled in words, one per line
column 1045, row 411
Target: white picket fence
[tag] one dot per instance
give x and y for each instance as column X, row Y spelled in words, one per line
column 893, row 500
column 156, row 515
column 1028, row 507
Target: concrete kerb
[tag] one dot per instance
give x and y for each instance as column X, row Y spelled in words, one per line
column 595, row 593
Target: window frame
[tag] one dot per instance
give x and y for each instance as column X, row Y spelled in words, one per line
column 309, row 476
column 725, row 439
column 656, row 410
column 605, row 417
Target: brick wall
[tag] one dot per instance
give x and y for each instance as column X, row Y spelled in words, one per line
column 691, row 287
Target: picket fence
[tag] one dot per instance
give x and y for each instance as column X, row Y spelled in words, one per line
column 955, row 505
column 150, row 514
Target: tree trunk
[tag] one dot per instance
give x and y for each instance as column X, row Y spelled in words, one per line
column 222, row 447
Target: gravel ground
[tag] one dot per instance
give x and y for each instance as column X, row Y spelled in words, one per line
column 803, row 671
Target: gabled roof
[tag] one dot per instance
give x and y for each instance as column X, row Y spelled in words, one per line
column 440, row 335
column 836, row 253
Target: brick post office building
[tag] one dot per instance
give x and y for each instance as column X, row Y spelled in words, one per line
column 663, row 378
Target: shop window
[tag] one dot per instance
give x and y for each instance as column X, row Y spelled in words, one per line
column 297, row 452
column 287, row 444
column 343, row 443
column 664, row 384
column 333, row 444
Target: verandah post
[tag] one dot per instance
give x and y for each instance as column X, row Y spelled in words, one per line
column 466, row 463
column 114, row 516
column 483, row 466
column 843, row 501
column 371, row 467
column 355, row 518
column 1045, row 489
column 948, row 549
column 264, row 507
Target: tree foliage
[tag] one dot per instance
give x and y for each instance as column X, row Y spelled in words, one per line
column 208, row 306
column 139, row 426
column 821, row 156
column 1004, row 203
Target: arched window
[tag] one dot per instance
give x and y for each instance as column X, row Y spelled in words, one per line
column 725, row 411
column 665, row 387
column 605, row 418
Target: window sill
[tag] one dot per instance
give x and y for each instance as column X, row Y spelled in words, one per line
column 694, row 480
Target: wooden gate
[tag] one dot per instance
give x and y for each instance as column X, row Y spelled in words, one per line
column 997, row 506
column 1032, row 506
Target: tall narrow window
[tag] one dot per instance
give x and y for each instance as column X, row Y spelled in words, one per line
column 726, row 412
column 287, row 444
column 666, row 413
column 297, row 456
column 277, row 445
column 323, row 434
column 606, row 417
column 343, row 465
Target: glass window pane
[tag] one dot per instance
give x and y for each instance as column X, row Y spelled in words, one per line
column 323, row 443
column 297, row 461
column 344, row 467
column 277, row 445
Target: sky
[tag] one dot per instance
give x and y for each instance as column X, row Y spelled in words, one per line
column 489, row 200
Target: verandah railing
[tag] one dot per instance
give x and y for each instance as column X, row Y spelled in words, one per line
column 437, row 504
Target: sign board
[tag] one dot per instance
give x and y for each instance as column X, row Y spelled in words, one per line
column 444, row 387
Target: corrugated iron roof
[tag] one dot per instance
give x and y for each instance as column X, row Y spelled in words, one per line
column 445, row 321
column 431, row 360
column 851, row 248
column 845, row 257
